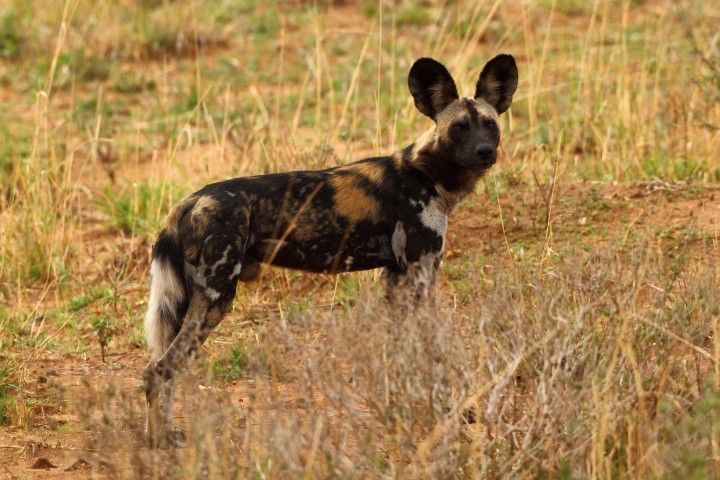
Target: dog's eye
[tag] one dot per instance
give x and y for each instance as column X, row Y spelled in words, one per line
column 458, row 127
column 490, row 124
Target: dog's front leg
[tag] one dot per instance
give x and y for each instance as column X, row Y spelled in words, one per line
column 413, row 285
column 421, row 277
column 392, row 277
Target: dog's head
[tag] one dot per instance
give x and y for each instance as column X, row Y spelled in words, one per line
column 466, row 128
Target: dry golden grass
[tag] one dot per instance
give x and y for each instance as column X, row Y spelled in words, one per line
column 591, row 354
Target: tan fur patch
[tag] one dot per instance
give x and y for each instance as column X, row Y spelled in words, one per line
column 204, row 206
column 308, row 226
column 191, row 251
column 397, row 159
column 173, row 219
column 485, row 109
column 425, row 142
column 446, row 200
column 207, row 204
column 351, row 201
column 247, row 197
column 457, row 110
column 371, row 172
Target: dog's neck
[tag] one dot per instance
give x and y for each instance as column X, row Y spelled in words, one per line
column 428, row 156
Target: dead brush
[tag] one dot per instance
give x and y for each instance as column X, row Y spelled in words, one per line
column 336, row 395
column 591, row 370
column 374, row 383
column 579, row 371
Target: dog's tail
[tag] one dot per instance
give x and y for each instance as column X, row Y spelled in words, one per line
column 169, row 295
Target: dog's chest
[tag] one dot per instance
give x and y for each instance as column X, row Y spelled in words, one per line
column 433, row 217
column 421, row 232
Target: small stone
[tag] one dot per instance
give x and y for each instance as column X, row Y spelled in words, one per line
column 42, row 464
column 79, row 463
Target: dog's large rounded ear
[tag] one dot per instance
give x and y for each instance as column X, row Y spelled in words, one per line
column 432, row 86
column 498, row 82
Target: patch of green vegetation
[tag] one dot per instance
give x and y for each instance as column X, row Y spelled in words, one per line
column 294, row 306
column 11, row 34
column 130, row 83
column 228, row 71
column 12, row 149
column 45, row 267
column 700, row 425
column 81, row 301
column 159, row 42
column 76, row 65
column 87, row 109
column 687, row 169
column 136, row 208
column 262, row 23
column 462, row 276
column 233, row 366
column 185, row 104
column 596, row 205
column 136, row 339
column 348, row 287
column 413, row 14
column 229, row 11
column 8, row 391
column 568, row 7
column 370, row 9
column 16, row 143
column 104, row 330
column 658, row 165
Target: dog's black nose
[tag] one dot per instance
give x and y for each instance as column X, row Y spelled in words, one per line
column 484, row 150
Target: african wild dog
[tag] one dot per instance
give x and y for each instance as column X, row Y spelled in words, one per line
column 388, row 212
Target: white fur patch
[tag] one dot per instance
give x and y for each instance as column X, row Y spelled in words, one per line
column 434, row 218
column 193, row 272
column 425, row 272
column 398, row 243
column 425, row 141
column 222, row 260
column 236, row 271
column 166, row 292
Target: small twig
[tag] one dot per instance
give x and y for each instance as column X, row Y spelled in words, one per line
column 502, row 225
column 547, row 244
column 680, row 339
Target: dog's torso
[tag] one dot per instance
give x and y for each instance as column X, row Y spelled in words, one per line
column 373, row 213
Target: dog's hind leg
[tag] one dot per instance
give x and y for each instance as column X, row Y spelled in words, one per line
column 166, row 310
column 203, row 315
column 211, row 289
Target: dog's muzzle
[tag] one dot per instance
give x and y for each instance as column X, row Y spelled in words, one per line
column 485, row 154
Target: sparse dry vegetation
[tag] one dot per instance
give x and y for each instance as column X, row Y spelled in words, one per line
column 576, row 331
